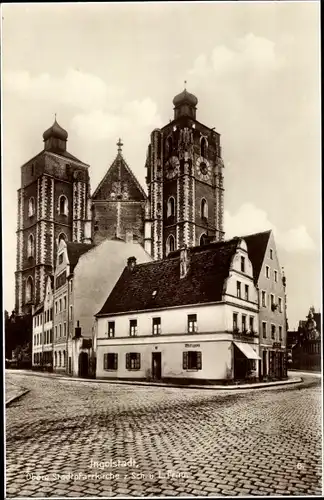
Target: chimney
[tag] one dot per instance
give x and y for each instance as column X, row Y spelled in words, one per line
column 184, row 261
column 78, row 330
column 131, row 263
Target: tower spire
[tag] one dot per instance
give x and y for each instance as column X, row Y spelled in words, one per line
column 120, row 145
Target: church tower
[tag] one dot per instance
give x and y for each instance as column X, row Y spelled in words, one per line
column 185, row 182
column 53, row 204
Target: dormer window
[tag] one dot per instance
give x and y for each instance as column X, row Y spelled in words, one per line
column 60, row 259
column 243, row 264
column 31, row 206
column 63, row 205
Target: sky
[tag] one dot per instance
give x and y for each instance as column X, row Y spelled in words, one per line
column 112, row 70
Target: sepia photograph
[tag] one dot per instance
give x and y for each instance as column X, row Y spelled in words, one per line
column 162, row 249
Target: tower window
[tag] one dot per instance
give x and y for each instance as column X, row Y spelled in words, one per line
column 30, row 246
column 204, row 209
column 61, row 237
column 63, row 205
column 203, row 147
column 169, row 145
column 203, row 239
column 171, row 207
column 29, row 289
column 170, row 244
column 31, row 206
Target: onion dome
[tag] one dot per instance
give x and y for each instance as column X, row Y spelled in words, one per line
column 185, row 97
column 55, row 131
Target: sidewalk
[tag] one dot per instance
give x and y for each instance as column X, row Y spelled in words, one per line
column 14, row 392
column 259, row 385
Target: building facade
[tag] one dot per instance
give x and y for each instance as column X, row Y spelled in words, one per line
column 305, row 344
column 118, row 204
column 190, row 317
column 42, row 346
column 271, row 284
column 53, row 204
column 185, row 182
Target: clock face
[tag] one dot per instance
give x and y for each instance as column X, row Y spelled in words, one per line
column 172, row 167
column 203, row 169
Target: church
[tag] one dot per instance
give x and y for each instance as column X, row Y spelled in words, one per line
column 184, row 204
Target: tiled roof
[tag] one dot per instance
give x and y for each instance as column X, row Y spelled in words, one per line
column 75, row 250
column 209, row 267
column 257, row 245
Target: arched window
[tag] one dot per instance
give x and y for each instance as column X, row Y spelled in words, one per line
column 204, row 209
column 170, row 244
column 63, row 205
column 169, row 145
column 203, row 147
column 203, row 238
column 29, row 289
column 30, row 246
column 31, row 206
column 171, row 207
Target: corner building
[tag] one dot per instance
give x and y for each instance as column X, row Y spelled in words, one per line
column 53, row 204
column 185, row 183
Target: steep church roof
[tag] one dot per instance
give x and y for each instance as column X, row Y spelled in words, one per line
column 119, row 176
column 75, row 250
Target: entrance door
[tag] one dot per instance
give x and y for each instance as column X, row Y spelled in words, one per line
column 83, row 364
column 264, row 363
column 156, row 365
column 70, row 364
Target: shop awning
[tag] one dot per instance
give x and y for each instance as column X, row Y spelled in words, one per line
column 247, row 350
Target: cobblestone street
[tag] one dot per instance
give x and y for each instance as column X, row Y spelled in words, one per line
column 180, row 441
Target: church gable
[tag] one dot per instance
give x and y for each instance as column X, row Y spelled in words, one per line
column 119, row 183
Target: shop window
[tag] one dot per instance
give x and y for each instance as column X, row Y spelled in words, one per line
column 192, row 360
column 133, row 361
column 110, row 361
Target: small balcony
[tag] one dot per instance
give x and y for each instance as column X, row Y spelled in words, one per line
column 244, row 334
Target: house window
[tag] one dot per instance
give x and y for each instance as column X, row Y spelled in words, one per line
column 71, row 313
column 133, row 361
column 192, row 360
column 272, row 301
column 60, row 305
column 246, row 292
column 60, row 329
column 238, row 289
column 170, row 244
column 133, row 327
column 280, row 333
column 273, row 332
column 192, row 323
column 263, row 299
column 280, row 304
column 235, row 322
column 204, row 209
column 243, row 264
column 271, row 254
column 275, row 276
column 56, row 307
column 64, row 329
column 243, row 323
column 267, row 272
column 110, row 361
column 64, row 302
column 156, row 326
column 55, row 332
column 63, row 205
column 171, row 207
column 51, row 336
column 111, row 328
column 31, row 206
column 264, row 329
column 71, row 286
column 251, row 324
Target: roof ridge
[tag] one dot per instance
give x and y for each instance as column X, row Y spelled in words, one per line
column 258, row 232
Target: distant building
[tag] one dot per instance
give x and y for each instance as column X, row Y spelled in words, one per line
column 271, row 284
column 190, row 317
column 305, row 344
column 42, row 346
column 118, row 204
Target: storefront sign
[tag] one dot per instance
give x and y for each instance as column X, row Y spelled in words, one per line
column 276, row 345
column 192, row 345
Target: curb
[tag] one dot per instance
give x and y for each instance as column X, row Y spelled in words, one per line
column 265, row 385
column 16, row 397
